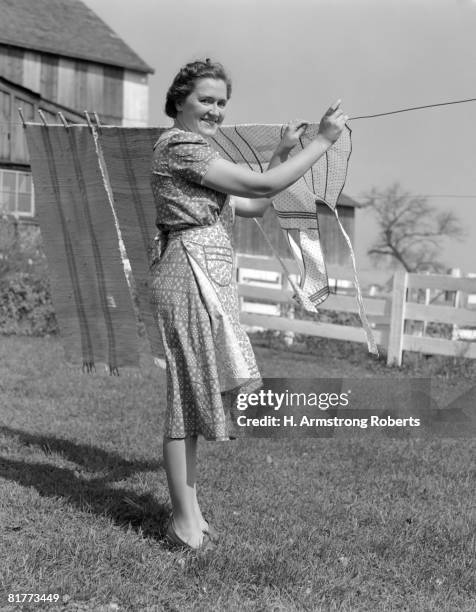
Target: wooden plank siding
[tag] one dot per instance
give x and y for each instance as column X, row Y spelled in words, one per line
column 94, row 89
column 249, row 240
column 80, row 85
column 113, row 93
column 49, row 76
column 135, row 99
column 334, row 246
column 5, row 115
column 66, row 93
column 32, row 71
column 19, row 148
column 11, row 63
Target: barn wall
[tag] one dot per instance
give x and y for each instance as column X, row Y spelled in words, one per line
column 66, row 86
column 5, row 114
column 333, row 242
column 117, row 95
column 249, row 239
column 11, row 63
column 135, row 100
column 31, row 71
column 49, row 77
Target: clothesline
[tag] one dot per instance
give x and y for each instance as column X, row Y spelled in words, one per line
column 384, row 114
column 427, row 195
column 412, row 108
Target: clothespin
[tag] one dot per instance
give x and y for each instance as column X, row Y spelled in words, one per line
column 88, row 119
column 43, row 118
column 97, row 121
column 22, row 117
column 63, row 120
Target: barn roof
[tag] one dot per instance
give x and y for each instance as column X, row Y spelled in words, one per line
column 65, row 27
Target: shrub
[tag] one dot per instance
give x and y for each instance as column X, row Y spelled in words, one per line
column 25, row 302
column 25, row 305
column 21, row 248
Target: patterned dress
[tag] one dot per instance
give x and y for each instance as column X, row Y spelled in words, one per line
column 208, row 354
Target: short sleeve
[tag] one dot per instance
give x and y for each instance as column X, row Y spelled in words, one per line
column 190, row 156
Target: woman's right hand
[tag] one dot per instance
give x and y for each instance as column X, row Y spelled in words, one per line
column 332, row 123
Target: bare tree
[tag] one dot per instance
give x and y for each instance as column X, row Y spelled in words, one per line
column 411, row 231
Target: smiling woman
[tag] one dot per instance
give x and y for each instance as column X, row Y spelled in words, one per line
column 199, row 94
column 208, row 354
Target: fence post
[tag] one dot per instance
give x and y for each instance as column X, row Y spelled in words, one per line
column 456, row 272
column 397, row 318
column 427, row 302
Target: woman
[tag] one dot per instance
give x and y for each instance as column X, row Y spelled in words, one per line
column 209, row 357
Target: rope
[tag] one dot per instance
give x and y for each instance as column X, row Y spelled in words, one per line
column 430, row 195
column 412, row 108
column 371, row 344
column 278, row 257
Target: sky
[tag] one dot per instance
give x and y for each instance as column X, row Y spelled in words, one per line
column 291, row 60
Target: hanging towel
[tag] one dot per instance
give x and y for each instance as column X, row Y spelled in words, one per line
column 88, row 285
column 296, row 207
column 127, row 154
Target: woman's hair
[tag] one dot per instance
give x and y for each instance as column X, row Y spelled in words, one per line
column 184, row 82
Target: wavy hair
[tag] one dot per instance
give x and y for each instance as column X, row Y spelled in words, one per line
column 184, row 82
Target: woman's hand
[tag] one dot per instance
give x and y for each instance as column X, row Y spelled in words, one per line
column 332, row 123
column 293, row 132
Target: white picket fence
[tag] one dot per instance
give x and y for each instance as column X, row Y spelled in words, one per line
column 399, row 308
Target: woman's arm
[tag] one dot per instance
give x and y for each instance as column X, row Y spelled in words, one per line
column 257, row 207
column 227, row 177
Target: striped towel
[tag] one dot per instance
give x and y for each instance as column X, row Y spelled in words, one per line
column 126, row 158
column 89, row 289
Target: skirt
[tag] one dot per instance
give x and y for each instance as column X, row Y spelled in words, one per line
column 208, row 355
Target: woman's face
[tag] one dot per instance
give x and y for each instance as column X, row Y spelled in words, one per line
column 203, row 110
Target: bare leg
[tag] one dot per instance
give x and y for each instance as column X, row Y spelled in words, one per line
column 198, row 513
column 180, row 459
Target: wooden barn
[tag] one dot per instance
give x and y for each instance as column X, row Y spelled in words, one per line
column 58, row 55
column 250, row 241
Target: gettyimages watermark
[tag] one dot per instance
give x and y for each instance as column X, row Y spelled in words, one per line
column 342, row 407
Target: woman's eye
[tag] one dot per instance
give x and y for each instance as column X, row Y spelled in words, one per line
column 221, row 103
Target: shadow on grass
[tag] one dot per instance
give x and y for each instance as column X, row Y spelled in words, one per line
column 95, row 494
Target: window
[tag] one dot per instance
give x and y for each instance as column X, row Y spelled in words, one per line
column 16, row 193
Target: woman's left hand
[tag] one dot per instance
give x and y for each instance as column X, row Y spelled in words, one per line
column 293, row 132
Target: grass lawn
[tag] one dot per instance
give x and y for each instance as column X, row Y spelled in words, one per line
column 310, row 524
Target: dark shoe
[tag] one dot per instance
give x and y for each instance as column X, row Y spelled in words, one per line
column 175, row 541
